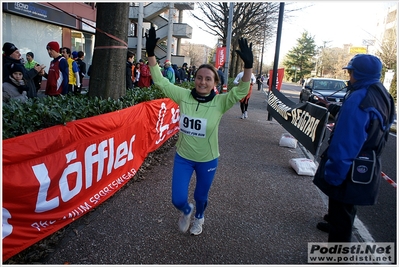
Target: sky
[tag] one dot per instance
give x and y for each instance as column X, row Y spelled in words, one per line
column 334, row 22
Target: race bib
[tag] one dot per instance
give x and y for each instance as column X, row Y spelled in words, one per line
column 193, row 126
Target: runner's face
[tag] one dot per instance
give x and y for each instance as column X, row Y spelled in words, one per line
column 204, row 81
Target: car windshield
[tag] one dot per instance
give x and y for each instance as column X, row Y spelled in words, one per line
column 328, row 85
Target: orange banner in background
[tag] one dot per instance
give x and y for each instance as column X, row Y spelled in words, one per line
column 54, row 176
column 279, row 80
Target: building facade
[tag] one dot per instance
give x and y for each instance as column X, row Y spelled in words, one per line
column 30, row 26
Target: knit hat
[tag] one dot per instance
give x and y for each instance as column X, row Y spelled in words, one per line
column 9, row 48
column 53, row 46
column 74, row 54
column 365, row 66
column 168, row 62
column 30, row 54
column 17, row 68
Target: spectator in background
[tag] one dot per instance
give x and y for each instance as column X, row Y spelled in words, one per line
column 74, row 79
column 82, row 68
column 136, row 74
column 302, row 81
column 191, row 73
column 183, row 73
column 145, row 75
column 177, row 73
column 133, row 72
column 11, row 55
column 14, row 86
column 129, row 74
column 74, row 55
column 30, row 64
column 58, row 73
column 221, row 79
column 169, row 72
column 259, row 81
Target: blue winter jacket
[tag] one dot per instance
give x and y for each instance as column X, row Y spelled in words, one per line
column 362, row 125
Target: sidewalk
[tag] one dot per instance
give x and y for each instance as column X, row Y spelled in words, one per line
column 259, row 212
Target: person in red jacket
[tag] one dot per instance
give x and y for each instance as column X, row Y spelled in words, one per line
column 58, row 71
column 145, row 75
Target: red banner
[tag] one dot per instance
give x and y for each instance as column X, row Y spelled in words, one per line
column 279, row 81
column 54, row 176
column 220, row 57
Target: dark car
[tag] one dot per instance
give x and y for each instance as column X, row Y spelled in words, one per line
column 328, row 89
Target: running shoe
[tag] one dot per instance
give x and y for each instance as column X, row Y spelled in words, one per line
column 196, row 229
column 184, row 220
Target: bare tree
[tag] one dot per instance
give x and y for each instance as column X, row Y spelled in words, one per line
column 255, row 21
column 196, row 52
column 340, row 58
column 107, row 77
column 388, row 52
column 388, row 49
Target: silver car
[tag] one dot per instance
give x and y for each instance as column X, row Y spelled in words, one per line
column 331, row 90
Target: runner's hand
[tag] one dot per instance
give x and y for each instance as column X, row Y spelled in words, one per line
column 245, row 53
column 151, row 42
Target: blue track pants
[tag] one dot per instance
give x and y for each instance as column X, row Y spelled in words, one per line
column 182, row 172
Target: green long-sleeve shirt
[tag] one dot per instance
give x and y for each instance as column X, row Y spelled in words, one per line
column 30, row 65
column 199, row 122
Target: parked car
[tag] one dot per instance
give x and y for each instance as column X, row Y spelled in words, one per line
column 331, row 90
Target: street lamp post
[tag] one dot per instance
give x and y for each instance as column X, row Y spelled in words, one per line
column 277, row 53
column 368, row 43
column 263, row 48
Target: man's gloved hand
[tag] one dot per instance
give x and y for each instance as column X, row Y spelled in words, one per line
column 245, row 53
column 151, row 42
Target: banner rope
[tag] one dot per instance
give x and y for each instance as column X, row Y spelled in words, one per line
column 97, row 29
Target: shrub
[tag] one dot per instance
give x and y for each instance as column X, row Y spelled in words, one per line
column 43, row 112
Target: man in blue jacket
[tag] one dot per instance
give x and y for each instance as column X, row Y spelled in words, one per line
column 349, row 172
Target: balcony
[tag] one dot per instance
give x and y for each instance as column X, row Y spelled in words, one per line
column 153, row 9
column 180, row 30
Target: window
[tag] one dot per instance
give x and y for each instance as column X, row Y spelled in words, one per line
column 30, row 36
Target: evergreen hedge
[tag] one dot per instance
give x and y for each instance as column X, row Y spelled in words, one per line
column 43, row 112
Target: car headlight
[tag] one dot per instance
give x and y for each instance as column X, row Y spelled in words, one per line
column 316, row 97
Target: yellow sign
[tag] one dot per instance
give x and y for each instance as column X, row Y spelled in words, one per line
column 358, row 50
